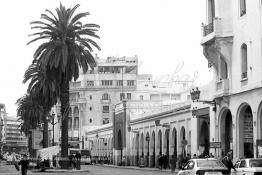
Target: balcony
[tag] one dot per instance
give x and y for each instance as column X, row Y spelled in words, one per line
column 222, row 87
column 207, row 29
column 219, row 27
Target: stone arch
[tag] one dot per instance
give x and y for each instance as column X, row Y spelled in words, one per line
column 159, row 142
column 183, row 139
column 245, row 131
column 166, row 142
column 174, row 141
column 204, row 138
column 153, row 148
column 259, row 120
column 225, row 130
column 142, row 144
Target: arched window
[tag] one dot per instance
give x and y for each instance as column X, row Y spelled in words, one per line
column 242, row 7
column 105, row 96
column 244, row 61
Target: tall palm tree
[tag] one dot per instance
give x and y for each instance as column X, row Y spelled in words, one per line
column 44, row 90
column 66, row 47
column 29, row 113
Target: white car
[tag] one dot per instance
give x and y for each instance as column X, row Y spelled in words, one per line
column 209, row 166
column 250, row 166
column 85, row 160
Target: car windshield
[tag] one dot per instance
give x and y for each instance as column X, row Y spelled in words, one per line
column 255, row 163
column 209, row 163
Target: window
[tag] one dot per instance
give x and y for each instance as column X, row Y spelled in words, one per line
column 105, row 109
column 105, row 121
column 76, row 122
column 141, row 97
column 90, row 120
column 90, row 83
column 107, row 82
column 69, row 122
column 242, row 7
column 90, row 108
column 119, row 82
column 130, row 82
column 122, row 96
column 244, row 61
column 222, row 69
column 105, row 96
column 128, row 96
column 90, row 97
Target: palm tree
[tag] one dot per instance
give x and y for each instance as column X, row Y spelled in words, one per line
column 44, row 90
column 29, row 112
column 65, row 49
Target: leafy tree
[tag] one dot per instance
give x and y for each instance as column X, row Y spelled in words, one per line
column 66, row 47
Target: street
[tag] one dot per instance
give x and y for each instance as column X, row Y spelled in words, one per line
column 93, row 170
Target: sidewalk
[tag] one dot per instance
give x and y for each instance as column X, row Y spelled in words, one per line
column 136, row 168
column 60, row 171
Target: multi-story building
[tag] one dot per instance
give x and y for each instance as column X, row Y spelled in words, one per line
column 2, row 116
column 233, row 46
column 14, row 140
column 94, row 95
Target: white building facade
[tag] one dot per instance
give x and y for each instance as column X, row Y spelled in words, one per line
column 232, row 43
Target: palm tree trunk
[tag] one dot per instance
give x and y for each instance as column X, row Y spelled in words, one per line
column 45, row 131
column 64, row 98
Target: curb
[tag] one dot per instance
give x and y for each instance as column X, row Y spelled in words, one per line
column 62, row 171
column 135, row 168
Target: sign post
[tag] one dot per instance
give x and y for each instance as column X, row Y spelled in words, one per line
column 215, row 145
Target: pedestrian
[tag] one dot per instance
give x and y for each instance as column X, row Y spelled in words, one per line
column 173, row 163
column 24, row 165
column 227, row 161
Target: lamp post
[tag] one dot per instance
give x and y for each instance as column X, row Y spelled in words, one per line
column 53, row 123
column 195, row 95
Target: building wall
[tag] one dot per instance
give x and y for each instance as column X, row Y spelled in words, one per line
column 235, row 94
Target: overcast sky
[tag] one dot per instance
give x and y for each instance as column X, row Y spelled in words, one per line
column 162, row 33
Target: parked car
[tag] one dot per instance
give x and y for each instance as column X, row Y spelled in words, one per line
column 86, row 160
column 248, row 166
column 208, row 166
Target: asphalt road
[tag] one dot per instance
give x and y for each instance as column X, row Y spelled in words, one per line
column 93, row 170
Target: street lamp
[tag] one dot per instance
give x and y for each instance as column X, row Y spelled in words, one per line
column 53, row 123
column 195, row 95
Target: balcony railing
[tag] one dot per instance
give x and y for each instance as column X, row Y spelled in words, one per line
column 207, row 29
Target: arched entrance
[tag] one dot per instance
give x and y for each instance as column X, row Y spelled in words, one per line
column 174, row 141
column 245, row 131
column 204, row 139
column 183, row 141
column 159, row 142
column 166, row 143
column 137, row 150
column 153, row 148
column 226, row 132
column 120, row 145
column 142, row 145
column 147, row 149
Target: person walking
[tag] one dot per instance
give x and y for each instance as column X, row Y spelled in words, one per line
column 24, row 165
column 227, row 161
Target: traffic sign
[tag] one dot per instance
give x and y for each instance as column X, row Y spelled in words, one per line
column 215, row 144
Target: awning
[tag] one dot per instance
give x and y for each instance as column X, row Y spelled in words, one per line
column 48, row 153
